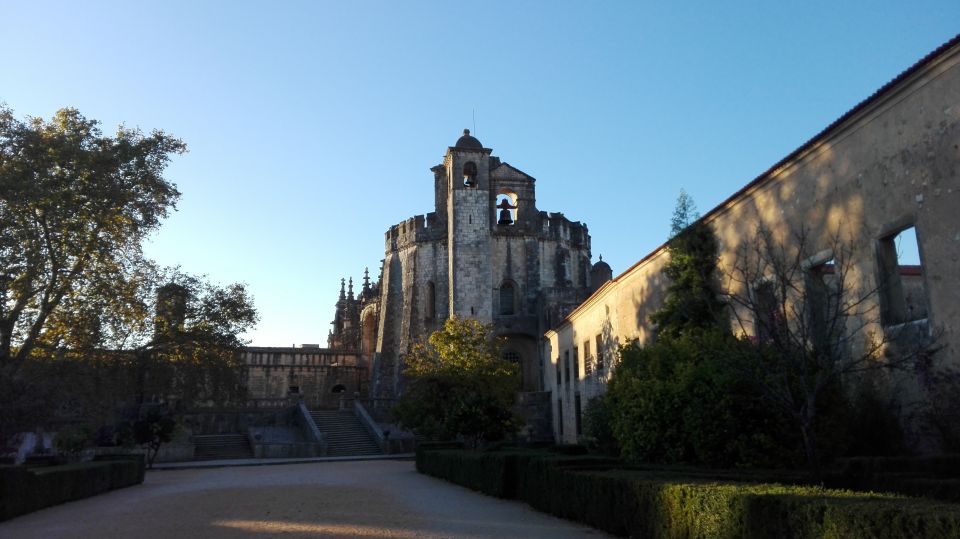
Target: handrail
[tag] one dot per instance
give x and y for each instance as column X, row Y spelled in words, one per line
column 312, row 428
column 372, row 426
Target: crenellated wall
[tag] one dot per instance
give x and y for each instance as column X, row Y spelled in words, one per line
column 460, row 261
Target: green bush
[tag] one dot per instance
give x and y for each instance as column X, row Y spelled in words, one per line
column 23, row 490
column 682, row 502
column 598, row 425
column 930, row 477
column 677, row 400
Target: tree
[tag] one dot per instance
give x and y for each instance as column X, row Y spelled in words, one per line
column 676, row 401
column 74, row 208
column 78, row 331
column 152, row 431
column 814, row 328
column 191, row 350
column 691, row 302
column 673, row 400
column 684, row 213
column 458, row 385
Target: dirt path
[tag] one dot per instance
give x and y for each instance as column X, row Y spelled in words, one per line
column 327, row 499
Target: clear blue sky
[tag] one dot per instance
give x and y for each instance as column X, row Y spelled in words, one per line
column 312, row 125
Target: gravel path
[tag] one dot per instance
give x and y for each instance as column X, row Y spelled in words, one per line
column 381, row 498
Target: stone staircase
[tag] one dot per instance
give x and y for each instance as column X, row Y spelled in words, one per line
column 221, row 446
column 346, row 436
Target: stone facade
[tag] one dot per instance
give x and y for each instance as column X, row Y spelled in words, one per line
column 485, row 252
column 889, row 166
column 319, row 376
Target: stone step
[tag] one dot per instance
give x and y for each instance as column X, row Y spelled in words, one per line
column 345, row 435
column 221, row 446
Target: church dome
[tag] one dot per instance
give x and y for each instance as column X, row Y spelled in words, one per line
column 602, row 266
column 468, row 142
column 599, row 274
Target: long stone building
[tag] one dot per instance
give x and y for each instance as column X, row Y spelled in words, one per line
column 883, row 176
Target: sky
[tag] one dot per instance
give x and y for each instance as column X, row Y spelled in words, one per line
column 312, row 126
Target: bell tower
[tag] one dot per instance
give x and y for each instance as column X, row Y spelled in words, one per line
column 470, row 279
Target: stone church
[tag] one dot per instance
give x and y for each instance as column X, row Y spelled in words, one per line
column 485, row 252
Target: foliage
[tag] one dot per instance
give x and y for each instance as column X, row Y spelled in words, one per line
column 459, row 386
column 598, row 425
column 940, row 414
column 677, row 400
column 74, row 207
column 873, row 426
column 671, row 503
column 814, row 331
column 24, row 490
column 72, row 440
column 691, row 302
column 78, row 331
column 684, row 213
column 152, row 431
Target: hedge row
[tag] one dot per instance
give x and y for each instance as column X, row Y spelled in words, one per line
column 935, row 477
column 658, row 503
column 23, row 489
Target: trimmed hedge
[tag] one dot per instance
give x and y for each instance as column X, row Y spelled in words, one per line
column 669, row 503
column 935, row 477
column 23, row 490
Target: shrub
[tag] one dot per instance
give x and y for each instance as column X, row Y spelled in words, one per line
column 72, row 440
column 23, row 490
column 677, row 401
column 598, row 425
column 659, row 502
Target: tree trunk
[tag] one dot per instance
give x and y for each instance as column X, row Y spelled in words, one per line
column 810, row 450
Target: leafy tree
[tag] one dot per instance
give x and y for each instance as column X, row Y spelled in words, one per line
column 677, row 400
column 684, row 213
column 458, row 385
column 74, row 208
column 598, row 424
column 152, row 431
column 691, row 302
column 78, row 332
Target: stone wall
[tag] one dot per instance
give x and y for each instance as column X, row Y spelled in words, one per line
column 890, row 164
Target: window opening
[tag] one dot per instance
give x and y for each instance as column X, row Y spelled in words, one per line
column 507, row 206
column 507, row 298
column 339, row 388
column 560, row 416
column 902, row 294
column 470, row 174
column 576, row 365
column 578, row 414
column 566, row 366
column 768, row 318
column 431, row 310
column 559, row 379
column 587, row 359
column 599, row 353
column 823, row 306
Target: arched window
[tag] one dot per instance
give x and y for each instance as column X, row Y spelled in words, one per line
column 339, row 388
column 507, row 298
column 510, row 355
column 470, row 174
column 430, row 312
column 506, row 208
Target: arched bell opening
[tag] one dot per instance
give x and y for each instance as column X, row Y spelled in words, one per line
column 470, row 174
column 506, row 208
